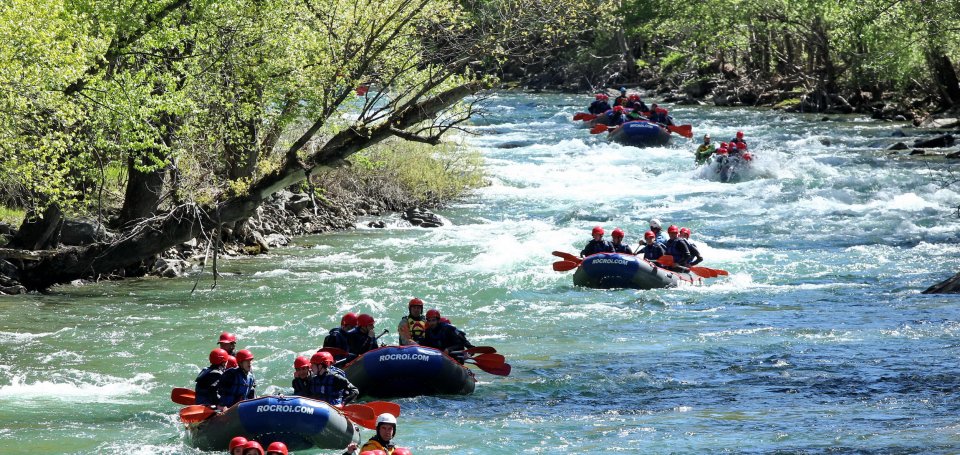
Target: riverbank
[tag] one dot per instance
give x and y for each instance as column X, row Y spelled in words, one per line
column 395, row 177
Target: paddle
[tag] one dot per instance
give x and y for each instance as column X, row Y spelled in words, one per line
column 683, row 130
column 361, row 414
column 666, row 260
column 380, row 407
column 704, row 271
column 600, row 129
column 180, row 395
column 196, row 413
column 480, row 350
column 581, row 115
column 567, row 256
column 564, row 266
column 491, row 363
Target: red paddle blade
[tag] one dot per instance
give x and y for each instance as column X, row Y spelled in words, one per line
column 579, row 115
column 704, row 272
column 721, row 272
column 380, row 407
column 196, row 413
column 567, row 256
column 480, row 350
column 598, row 129
column 588, row 117
column 334, row 351
column 564, row 266
column 489, row 359
column 180, row 395
column 500, row 370
column 666, row 260
column 683, row 130
column 360, row 414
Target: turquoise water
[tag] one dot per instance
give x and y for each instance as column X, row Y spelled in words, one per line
column 818, row 341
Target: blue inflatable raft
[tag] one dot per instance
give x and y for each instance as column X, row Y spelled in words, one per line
column 409, row 371
column 640, row 134
column 300, row 423
column 615, row 270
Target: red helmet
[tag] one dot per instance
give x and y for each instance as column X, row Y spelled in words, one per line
column 597, row 230
column 685, row 231
column 732, row 146
column 402, row 451
column 617, row 233
column 253, row 445
column 723, row 145
column 673, row 229
column 444, row 320
column 227, row 337
column 618, row 108
column 322, row 358
column 433, row 313
column 364, row 320
column 244, row 354
column 748, row 157
column 599, row 96
column 218, row 356
column 634, row 97
column 231, row 362
column 300, row 362
column 739, row 134
column 722, row 150
column 349, row 319
column 649, row 235
column 605, row 97
column 237, row 442
column 280, row 447
column 415, row 302
column 375, row 452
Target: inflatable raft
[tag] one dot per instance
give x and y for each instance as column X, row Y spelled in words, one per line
column 300, row 423
column 615, row 270
column 640, row 134
column 408, row 371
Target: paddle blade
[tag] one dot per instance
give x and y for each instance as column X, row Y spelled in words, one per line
column 564, row 266
column 721, row 272
column 380, row 407
column 489, row 359
column 480, row 350
column 683, row 130
column 196, row 413
column 588, row 117
column 499, row 370
column 704, row 271
column 180, row 395
column 598, row 129
column 567, row 256
column 336, row 352
column 360, row 414
column 666, row 260
column 579, row 116
column 491, row 363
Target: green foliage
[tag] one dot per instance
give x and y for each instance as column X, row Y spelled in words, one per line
column 673, row 61
column 11, row 216
column 430, row 174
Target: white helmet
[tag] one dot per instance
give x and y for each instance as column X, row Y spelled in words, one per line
column 387, row 417
column 655, row 223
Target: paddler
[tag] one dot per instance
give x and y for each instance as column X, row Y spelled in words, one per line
column 329, row 385
column 445, row 337
column 362, row 337
column 337, row 337
column 209, row 378
column 238, row 384
column 597, row 244
column 705, row 150
column 228, row 342
column 695, row 257
column 677, row 247
column 301, row 376
column 599, row 104
column 617, row 244
column 651, row 250
column 412, row 325
column 236, row 445
column 383, row 440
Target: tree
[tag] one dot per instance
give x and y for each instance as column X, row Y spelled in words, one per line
column 210, row 86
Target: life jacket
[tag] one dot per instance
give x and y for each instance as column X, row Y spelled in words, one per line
column 651, row 252
column 375, row 443
column 416, row 327
column 235, row 386
column 207, row 381
column 621, row 248
column 327, row 388
column 679, row 250
column 337, row 338
column 596, row 246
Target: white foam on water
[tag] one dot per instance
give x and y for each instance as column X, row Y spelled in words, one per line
column 80, row 388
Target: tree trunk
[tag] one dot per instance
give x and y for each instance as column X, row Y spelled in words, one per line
column 39, row 233
column 625, row 50
column 945, row 78
column 185, row 222
column 144, row 190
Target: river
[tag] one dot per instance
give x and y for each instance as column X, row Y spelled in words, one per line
column 818, row 341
